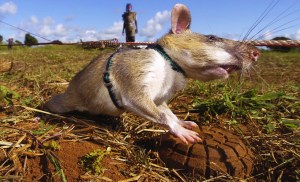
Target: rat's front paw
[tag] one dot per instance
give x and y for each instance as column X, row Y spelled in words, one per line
column 186, row 136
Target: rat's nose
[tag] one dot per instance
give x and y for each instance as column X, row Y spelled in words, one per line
column 254, row 55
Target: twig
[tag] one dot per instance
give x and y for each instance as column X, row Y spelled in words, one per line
column 5, row 144
column 178, row 175
column 25, row 164
column 216, row 178
column 186, row 116
column 58, row 84
column 272, row 169
column 135, row 178
column 154, row 131
column 27, row 132
column 141, row 125
column 159, row 167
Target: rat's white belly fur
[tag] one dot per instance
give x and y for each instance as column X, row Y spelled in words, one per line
column 160, row 81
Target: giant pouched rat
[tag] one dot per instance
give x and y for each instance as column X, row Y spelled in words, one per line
column 142, row 80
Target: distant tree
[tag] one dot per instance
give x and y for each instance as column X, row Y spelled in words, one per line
column 56, row 42
column 280, row 48
column 18, row 42
column 1, row 39
column 30, row 39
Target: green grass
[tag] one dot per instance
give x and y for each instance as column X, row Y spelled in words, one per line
column 92, row 162
column 271, row 108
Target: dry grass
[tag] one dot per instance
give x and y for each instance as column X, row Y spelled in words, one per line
column 38, row 73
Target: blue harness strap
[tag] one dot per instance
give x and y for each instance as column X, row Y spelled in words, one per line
column 162, row 52
column 107, row 81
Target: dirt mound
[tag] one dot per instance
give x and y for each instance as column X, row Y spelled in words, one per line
column 220, row 152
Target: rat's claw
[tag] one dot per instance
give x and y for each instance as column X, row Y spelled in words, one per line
column 186, row 135
column 183, row 140
column 195, row 137
column 188, row 124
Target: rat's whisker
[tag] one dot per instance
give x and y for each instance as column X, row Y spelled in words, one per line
column 256, row 72
column 276, row 21
column 279, row 28
column 261, row 18
column 280, row 17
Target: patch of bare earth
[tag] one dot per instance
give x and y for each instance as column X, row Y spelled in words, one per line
column 39, row 168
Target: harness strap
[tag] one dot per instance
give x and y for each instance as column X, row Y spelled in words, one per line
column 109, row 85
column 162, row 52
column 107, row 82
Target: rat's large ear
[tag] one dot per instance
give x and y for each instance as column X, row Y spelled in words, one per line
column 181, row 18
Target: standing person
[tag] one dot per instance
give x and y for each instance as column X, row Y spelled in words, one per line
column 130, row 23
column 10, row 43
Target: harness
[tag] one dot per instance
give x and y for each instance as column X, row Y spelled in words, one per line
column 161, row 51
column 107, row 81
column 106, row 75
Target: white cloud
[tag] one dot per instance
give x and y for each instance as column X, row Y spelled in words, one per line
column 155, row 25
column 90, row 32
column 115, row 31
column 87, row 35
column 8, row 8
column 60, row 30
column 45, row 30
column 34, row 20
column 44, row 27
column 57, row 30
column 294, row 36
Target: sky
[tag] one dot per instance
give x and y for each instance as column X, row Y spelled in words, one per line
column 91, row 20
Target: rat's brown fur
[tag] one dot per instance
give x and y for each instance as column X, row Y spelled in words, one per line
column 142, row 79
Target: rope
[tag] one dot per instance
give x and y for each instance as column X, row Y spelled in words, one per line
column 115, row 43
column 270, row 43
column 275, row 43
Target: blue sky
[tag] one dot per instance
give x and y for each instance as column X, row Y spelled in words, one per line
column 70, row 21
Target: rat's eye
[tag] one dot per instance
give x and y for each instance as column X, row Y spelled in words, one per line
column 212, row 38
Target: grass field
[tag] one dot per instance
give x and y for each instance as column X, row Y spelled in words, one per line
column 262, row 107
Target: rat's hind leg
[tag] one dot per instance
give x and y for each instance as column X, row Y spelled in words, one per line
column 59, row 104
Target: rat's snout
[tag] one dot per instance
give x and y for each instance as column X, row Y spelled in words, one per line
column 254, row 54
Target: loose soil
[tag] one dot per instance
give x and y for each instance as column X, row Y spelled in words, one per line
column 39, row 169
